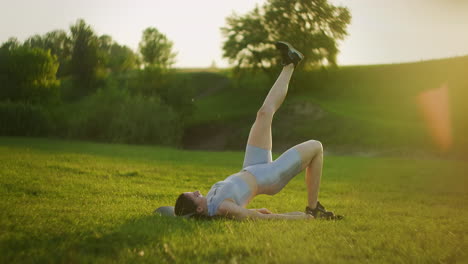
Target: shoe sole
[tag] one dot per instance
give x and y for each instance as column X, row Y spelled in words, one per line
column 282, row 45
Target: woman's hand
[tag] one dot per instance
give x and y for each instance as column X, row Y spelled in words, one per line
column 264, row 211
column 309, row 217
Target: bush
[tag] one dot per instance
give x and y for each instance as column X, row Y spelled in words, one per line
column 250, row 80
column 147, row 82
column 146, row 121
column 114, row 115
column 179, row 93
column 24, row 119
column 174, row 89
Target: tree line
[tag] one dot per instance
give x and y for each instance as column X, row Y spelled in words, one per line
column 80, row 85
column 80, row 56
column 77, row 84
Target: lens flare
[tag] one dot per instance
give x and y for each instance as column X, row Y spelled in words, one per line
column 434, row 106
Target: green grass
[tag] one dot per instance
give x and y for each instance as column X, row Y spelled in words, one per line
column 75, row 202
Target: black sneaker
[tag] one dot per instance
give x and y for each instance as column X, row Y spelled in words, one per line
column 288, row 53
column 321, row 213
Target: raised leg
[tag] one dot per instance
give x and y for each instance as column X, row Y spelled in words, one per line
column 312, row 160
column 260, row 133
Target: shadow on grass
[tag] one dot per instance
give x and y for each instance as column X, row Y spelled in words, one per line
column 128, row 238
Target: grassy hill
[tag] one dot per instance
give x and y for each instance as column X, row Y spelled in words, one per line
column 371, row 109
column 74, row 202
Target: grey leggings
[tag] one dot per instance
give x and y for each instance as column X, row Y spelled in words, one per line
column 271, row 176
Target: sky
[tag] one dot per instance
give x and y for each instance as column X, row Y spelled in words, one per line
column 381, row 31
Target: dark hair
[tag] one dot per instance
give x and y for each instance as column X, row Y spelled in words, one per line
column 184, row 205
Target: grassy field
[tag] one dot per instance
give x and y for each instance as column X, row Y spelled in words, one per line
column 75, row 202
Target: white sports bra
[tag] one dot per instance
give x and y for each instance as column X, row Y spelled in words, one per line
column 233, row 187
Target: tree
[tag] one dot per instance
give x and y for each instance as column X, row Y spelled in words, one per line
column 122, row 59
column 59, row 44
column 156, row 49
column 11, row 44
column 84, row 64
column 28, row 75
column 312, row 26
column 105, row 43
column 115, row 57
column 35, row 41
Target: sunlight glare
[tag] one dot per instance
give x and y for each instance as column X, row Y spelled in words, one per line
column 434, row 106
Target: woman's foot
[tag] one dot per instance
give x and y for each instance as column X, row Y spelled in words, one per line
column 319, row 212
column 288, row 53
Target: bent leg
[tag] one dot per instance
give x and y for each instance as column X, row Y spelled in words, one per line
column 260, row 133
column 312, row 160
column 273, row 177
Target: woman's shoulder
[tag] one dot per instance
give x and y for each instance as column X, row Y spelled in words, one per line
column 216, row 196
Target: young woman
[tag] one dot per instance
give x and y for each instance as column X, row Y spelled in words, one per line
column 259, row 174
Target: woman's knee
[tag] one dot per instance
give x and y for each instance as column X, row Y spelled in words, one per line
column 309, row 150
column 265, row 112
column 315, row 146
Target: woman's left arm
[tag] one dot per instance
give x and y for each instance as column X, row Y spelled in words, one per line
column 229, row 209
column 262, row 210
